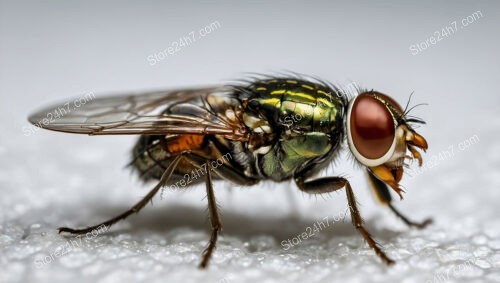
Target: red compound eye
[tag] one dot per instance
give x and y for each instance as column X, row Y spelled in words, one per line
column 372, row 127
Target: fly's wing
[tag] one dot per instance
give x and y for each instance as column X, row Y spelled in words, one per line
column 142, row 113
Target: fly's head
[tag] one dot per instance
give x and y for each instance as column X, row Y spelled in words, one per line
column 379, row 136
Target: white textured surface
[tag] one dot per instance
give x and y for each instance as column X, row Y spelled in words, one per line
column 51, row 179
column 165, row 241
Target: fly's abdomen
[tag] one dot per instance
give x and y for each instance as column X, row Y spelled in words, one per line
column 149, row 157
column 153, row 154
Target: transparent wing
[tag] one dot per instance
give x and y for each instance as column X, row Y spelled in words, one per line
column 142, row 113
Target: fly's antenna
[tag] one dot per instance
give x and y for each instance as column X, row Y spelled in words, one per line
column 407, row 111
column 408, row 103
column 412, row 119
column 413, row 107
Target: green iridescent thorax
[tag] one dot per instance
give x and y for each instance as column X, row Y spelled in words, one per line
column 307, row 116
column 292, row 154
column 299, row 104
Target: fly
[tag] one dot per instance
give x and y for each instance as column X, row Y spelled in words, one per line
column 269, row 128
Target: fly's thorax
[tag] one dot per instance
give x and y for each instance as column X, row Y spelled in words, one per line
column 295, row 122
column 293, row 154
column 301, row 107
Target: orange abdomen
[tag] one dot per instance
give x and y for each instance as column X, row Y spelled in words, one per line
column 184, row 142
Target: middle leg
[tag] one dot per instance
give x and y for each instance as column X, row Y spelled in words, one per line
column 331, row 184
column 214, row 217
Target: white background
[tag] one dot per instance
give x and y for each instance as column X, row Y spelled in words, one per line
column 53, row 51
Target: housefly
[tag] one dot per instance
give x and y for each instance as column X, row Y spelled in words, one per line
column 266, row 128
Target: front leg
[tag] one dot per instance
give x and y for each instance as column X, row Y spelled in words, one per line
column 331, row 184
column 384, row 197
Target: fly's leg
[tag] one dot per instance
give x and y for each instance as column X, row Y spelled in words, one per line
column 331, row 184
column 213, row 210
column 214, row 217
column 227, row 173
column 384, row 197
column 136, row 208
column 419, row 225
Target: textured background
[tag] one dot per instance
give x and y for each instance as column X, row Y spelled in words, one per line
column 56, row 51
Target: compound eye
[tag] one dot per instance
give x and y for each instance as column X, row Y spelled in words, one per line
column 372, row 127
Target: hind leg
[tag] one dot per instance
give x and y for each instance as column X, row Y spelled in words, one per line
column 135, row 209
